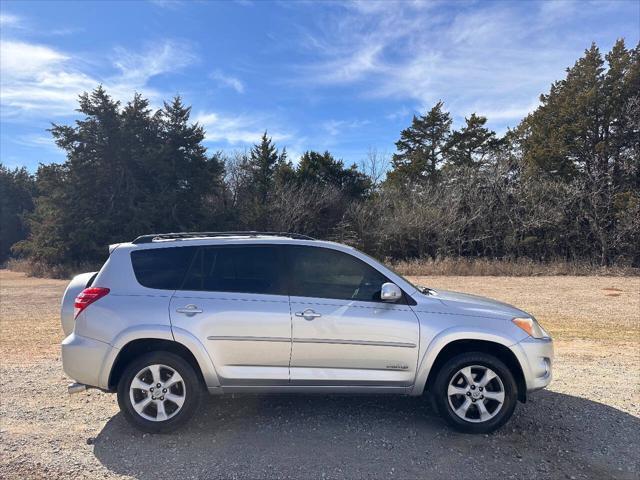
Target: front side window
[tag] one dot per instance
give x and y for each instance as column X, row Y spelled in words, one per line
column 161, row 268
column 325, row 273
column 250, row 269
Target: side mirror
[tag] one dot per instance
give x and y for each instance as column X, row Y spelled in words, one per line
column 390, row 292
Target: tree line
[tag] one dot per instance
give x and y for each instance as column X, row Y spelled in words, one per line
column 563, row 184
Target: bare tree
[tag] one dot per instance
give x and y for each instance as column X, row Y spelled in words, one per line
column 375, row 166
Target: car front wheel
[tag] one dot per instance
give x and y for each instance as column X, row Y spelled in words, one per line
column 475, row 392
column 159, row 392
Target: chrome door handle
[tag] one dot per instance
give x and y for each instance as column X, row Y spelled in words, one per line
column 189, row 310
column 308, row 314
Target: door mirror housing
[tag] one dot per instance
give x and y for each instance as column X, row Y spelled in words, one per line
column 390, row 292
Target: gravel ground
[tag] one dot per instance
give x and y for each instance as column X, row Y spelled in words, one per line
column 587, row 425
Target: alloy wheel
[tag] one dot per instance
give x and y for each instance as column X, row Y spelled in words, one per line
column 157, row 392
column 476, row 393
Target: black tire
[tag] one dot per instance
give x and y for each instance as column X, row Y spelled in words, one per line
column 190, row 382
column 447, row 373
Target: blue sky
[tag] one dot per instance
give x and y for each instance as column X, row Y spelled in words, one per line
column 317, row 75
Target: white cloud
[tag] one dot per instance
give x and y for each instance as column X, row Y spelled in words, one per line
column 506, row 112
column 37, row 140
column 9, row 20
column 40, row 80
column 23, row 60
column 169, row 4
column 138, row 67
column 335, row 128
column 494, row 57
column 228, row 81
column 402, row 112
column 235, row 130
column 557, row 9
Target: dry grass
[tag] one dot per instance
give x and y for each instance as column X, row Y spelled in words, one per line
column 37, row 269
column 585, row 308
column 29, row 316
column 507, row 268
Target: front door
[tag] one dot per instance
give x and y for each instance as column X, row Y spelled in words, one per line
column 234, row 301
column 342, row 333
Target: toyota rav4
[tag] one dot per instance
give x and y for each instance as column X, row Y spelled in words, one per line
column 171, row 316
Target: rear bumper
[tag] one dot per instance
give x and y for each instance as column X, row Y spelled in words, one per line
column 536, row 360
column 83, row 359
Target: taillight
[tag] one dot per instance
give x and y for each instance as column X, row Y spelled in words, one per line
column 87, row 297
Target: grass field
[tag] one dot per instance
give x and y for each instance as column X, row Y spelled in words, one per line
column 591, row 409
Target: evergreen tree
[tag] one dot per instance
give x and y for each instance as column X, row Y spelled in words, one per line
column 422, row 147
column 17, row 188
column 49, row 225
column 582, row 134
column 323, row 169
column 563, row 136
column 259, row 173
column 127, row 172
column 263, row 161
column 185, row 175
column 472, row 144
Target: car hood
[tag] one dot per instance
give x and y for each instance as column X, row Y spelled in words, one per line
column 477, row 305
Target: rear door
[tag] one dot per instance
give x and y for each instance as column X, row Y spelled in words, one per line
column 343, row 334
column 233, row 299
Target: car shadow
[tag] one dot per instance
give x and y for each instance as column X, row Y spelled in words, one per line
column 551, row 436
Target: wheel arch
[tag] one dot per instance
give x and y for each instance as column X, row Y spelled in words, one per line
column 140, row 346
column 436, row 357
column 141, row 339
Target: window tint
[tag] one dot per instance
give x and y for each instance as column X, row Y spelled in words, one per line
column 236, row 269
column 324, row 273
column 162, row 268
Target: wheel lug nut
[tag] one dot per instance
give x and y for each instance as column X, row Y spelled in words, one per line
column 468, row 394
column 158, row 385
column 480, row 389
column 151, row 389
column 164, row 390
column 162, row 398
column 473, row 387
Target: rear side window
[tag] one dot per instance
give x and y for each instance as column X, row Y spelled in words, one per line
column 162, row 268
column 325, row 273
column 250, row 269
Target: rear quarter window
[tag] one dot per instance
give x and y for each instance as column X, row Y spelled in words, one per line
column 162, row 268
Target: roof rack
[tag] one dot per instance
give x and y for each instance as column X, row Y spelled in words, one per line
column 186, row 235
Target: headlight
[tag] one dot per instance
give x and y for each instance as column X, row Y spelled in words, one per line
column 531, row 326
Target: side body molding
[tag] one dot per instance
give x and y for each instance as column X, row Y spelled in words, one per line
column 429, row 355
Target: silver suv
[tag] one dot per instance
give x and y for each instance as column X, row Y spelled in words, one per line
column 170, row 316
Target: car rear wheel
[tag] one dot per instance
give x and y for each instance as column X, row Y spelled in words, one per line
column 475, row 392
column 159, row 392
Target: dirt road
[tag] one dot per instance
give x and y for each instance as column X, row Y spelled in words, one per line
column 587, row 425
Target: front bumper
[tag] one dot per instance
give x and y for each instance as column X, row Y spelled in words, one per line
column 83, row 359
column 536, row 359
